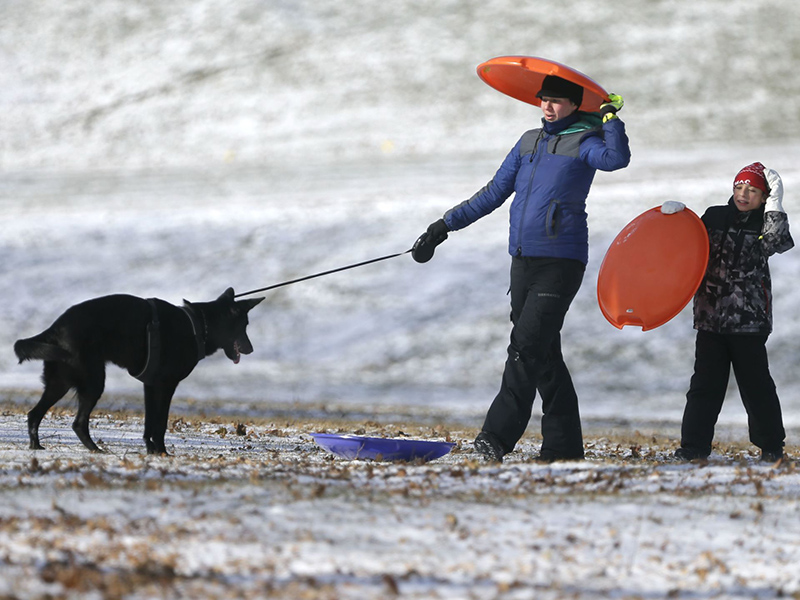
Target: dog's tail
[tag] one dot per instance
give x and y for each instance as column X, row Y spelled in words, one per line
column 40, row 348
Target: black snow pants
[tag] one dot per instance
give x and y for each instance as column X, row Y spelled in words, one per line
column 714, row 355
column 542, row 290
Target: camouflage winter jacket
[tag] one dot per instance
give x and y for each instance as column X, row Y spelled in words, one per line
column 735, row 295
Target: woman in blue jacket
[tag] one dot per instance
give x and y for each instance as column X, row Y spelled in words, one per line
column 550, row 171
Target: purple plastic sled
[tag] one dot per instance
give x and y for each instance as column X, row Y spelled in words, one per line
column 353, row 446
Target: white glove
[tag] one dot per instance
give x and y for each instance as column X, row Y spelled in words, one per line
column 670, row 207
column 775, row 199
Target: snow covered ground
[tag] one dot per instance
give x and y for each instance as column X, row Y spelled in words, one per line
column 391, row 334
column 175, row 149
column 265, row 513
column 152, row 84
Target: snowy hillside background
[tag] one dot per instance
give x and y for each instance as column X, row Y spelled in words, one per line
column 175, row 149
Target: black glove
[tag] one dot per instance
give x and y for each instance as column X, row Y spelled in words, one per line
column 423, row 248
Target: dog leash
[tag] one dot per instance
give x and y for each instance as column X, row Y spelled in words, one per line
column 307, row 277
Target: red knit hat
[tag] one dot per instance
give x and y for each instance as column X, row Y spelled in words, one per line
column 752, row 175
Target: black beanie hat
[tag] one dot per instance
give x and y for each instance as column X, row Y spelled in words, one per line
column 554, row 86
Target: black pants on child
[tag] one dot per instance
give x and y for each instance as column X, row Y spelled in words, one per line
column 542, row 290
column 714, row 355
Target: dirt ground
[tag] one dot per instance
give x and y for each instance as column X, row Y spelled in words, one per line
column 255, row 509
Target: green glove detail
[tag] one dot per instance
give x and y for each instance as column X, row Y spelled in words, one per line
column 609, row 109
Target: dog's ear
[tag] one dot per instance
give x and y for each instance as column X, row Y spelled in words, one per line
column 227, row 295
column 247, row 305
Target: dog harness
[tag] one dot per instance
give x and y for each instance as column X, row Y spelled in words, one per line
column 199, row 335
column 148, row 373
column 150, row 369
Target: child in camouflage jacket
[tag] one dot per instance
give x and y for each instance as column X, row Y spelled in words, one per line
column 733, row 315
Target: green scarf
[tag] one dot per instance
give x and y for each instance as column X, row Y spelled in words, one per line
column 587, row 121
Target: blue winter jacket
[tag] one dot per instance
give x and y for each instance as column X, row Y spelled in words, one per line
column 551, row 170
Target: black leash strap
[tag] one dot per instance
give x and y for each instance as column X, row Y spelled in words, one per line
column 307, row 277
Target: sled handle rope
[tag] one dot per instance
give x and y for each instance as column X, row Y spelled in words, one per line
column 307, row 277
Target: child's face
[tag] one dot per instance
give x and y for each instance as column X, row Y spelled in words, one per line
column 746, row 197
column 555, row 109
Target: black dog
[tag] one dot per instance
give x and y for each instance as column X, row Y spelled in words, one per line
column 157, row 342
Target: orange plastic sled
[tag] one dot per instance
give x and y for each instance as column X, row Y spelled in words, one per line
column 652, row 269
column 521, row 77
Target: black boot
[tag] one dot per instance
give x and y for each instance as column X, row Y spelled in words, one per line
column 688, row 454
column 772, row 456
column 488, row 447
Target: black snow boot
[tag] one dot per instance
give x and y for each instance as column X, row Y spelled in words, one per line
column 488, row 447
column 772, row 456
column 688, row 454
column 548, row 456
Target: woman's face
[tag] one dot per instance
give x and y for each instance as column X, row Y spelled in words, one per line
column 746, row 197
column 555, row 109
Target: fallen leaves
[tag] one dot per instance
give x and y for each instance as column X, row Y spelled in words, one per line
column 207, row 516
